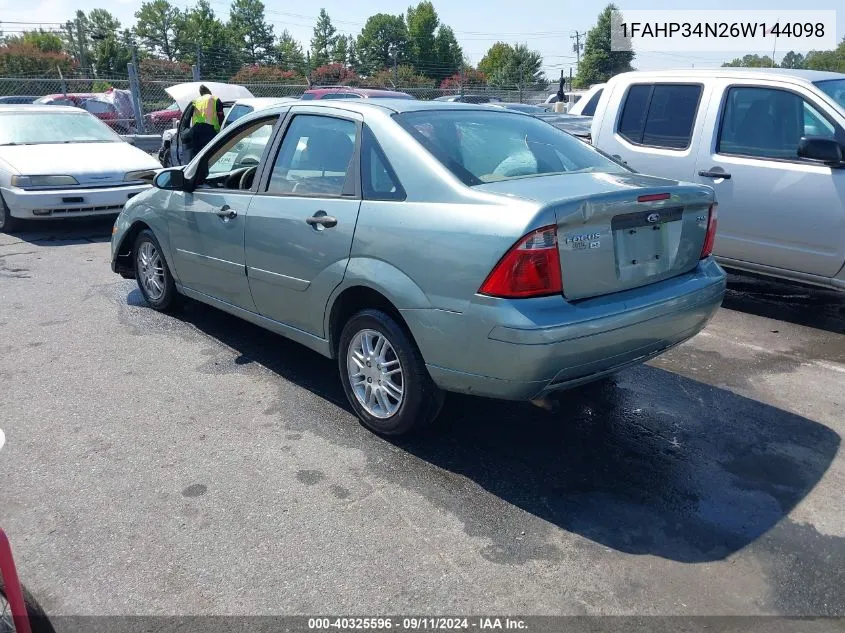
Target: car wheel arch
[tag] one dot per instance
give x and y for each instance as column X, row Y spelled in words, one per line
column 354, row 299
column 124, row 257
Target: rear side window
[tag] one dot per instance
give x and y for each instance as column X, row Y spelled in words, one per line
column 660, row 115
column 379, row 181
column 590, row 108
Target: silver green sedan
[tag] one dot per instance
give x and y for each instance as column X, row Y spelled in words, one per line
column 429, row 247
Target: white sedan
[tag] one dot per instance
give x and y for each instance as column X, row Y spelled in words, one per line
column 58, row 161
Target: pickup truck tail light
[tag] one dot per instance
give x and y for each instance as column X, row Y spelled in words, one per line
column 531, row 268
column 710, row 236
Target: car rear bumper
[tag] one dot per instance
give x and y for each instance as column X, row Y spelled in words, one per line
column 77, row 202
column 521, row 361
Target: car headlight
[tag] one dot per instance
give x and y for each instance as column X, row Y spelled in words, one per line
column 139, row 174
column 25, row 182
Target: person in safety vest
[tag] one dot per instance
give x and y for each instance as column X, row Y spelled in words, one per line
column 205, row 114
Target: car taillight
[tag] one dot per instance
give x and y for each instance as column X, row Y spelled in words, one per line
column 531, row 268
column 710, row 236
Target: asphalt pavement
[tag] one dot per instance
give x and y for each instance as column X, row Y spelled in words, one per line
column 197, row 464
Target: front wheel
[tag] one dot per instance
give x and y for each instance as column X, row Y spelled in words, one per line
column 8, row 224
column 152, row 274
column 384, row 375
column 38, row 621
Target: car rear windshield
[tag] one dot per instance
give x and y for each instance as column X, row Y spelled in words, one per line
column 36, row 128
column 480, row 146
column 834, row 88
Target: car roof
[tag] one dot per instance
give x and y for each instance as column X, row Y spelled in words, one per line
column 387, row 105
column 365, row 92
column 804, row 76
column 11, row 108
column 264, row 101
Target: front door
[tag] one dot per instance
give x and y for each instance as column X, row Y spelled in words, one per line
column 775, row 209
column 300, row 225
column 207, row 228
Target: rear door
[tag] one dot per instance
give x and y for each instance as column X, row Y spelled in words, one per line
column 658, row 127
column 774, row 208
column 301, row 223
column 207, row 225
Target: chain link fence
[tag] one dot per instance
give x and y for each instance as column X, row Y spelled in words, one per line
column 113, row 100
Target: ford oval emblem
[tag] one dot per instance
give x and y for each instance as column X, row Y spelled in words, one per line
column 653, row 217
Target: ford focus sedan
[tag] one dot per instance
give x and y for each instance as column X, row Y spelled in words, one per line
column 57, row 161
column 429, row 247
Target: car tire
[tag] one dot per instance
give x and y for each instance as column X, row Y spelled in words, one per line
column 38, row 620
column 365, row 376
column 8, row 224
column 154, row 278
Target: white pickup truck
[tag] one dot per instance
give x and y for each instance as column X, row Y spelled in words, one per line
column 769, row 141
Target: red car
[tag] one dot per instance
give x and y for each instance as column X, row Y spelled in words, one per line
column 160, row 120
column 101, row 105
column 346, row 92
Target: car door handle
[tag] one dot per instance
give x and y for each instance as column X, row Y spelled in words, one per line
column 227, row 213
column 324, row 221
column 707, row 173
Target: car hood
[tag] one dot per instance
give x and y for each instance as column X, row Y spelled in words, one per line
column 90, row 163
column 183, row 94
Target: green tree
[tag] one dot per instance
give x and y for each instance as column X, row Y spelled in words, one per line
column 202, row 32
column 382, row 37
column 521, row 68
column 450, row 56
column 110, row 52
column 827, row 60
column 751, row 61
column 20, row 59
column 158, row 23
column 340, row 53
column 44, row 41
column 494, row 58
column 599, row 63
column 289, row 55
column 792, row 60
column 352, row 54
column 422, row 22
column 250, row 28
column 324, row 40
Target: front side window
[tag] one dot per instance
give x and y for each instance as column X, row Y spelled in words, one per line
column 315, row 156
column 768, row 123
column 341, row 95
column 481, row 146
column 238, row 153
column 660, row 115
column 98, row 107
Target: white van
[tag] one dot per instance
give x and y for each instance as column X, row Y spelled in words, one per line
column 769, row 141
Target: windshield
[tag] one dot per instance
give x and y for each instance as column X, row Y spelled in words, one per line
column 35, row 128
column 834, row 88
column 481, row 147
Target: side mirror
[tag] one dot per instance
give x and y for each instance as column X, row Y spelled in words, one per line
column 821, row 149
column 172, row 179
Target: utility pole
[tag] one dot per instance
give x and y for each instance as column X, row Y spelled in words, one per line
column 199, row 60
column 135, row 89
column 80, row 43
column 577, row 46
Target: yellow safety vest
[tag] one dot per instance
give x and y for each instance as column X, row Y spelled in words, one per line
column 205, row 111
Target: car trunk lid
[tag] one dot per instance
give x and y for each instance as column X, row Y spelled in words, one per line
column 618, row 231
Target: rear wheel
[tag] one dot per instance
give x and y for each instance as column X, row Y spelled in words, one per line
column 152, row 274
column 384, row 376
column 8, row 224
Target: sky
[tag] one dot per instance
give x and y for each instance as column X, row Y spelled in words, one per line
column 545, row 26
